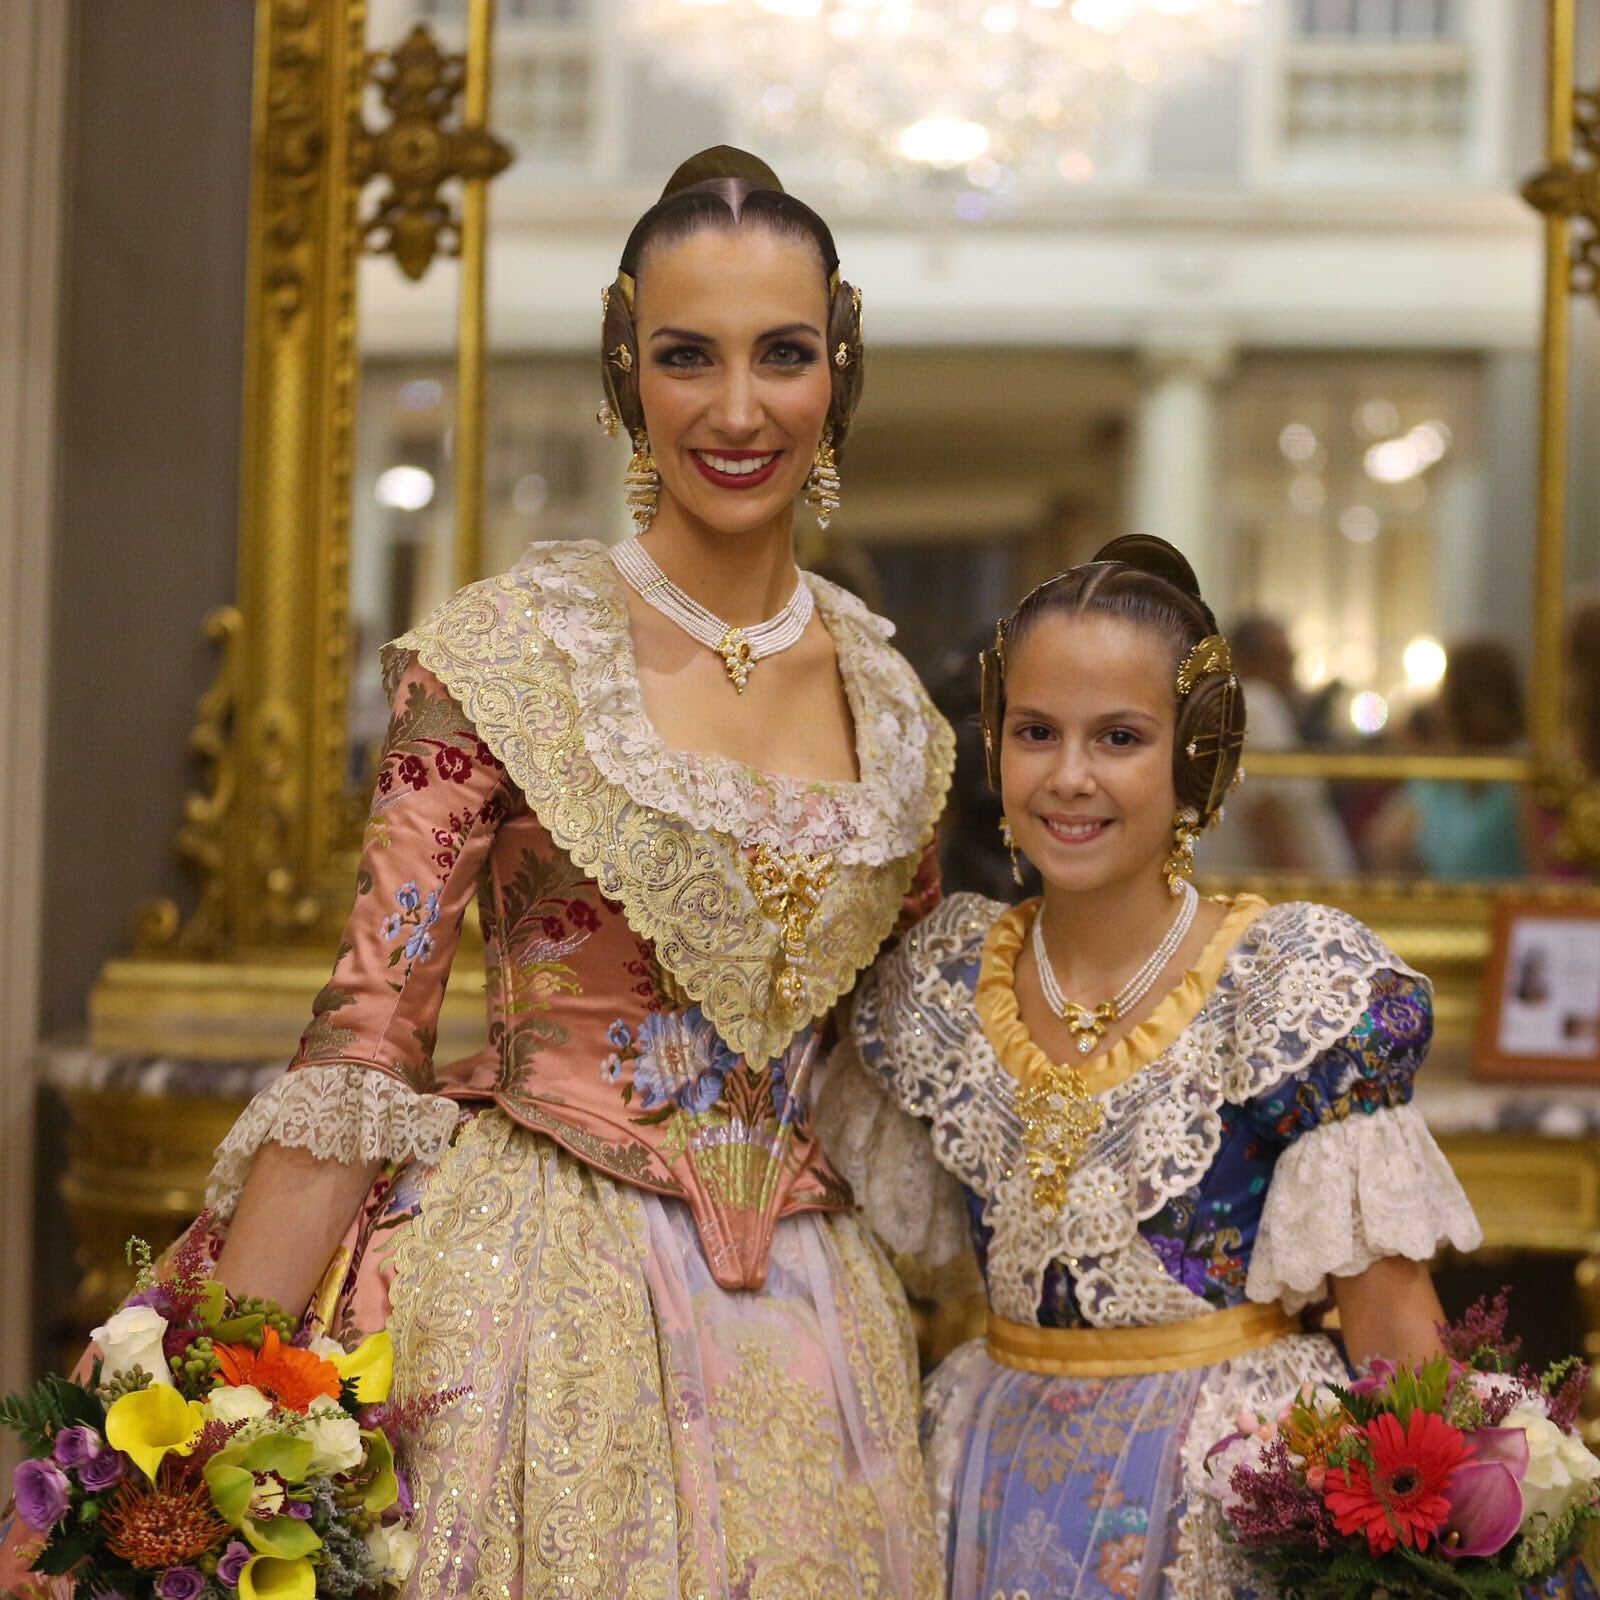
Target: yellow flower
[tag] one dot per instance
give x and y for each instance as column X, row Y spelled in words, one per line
column 370, row 1366
column 150, row 1422
column 272, row 1578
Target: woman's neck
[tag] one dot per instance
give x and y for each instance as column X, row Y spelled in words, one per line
column 1099, row 938
column 744, row 578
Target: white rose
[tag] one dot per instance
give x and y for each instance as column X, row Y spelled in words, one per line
column 1560, row 1469
column 328, row 1349
column 243, row 1403
column 132, row 1339
column 335, row 1438
column 394, row 1549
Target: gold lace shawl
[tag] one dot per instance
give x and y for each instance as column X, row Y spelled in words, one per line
column 541, row 660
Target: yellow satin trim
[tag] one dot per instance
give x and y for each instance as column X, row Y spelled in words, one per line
column 1131, row 1352
column 998, row 1012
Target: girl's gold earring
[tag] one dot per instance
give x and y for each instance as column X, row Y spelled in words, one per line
column 1179, row 866
column 1009, row 840
column 643, row 482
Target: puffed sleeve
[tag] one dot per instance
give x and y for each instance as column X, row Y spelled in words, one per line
column 909, row 1201
column 360, row 1087
column 1358, row 1176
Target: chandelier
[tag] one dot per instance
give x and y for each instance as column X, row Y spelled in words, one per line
column 988, row 91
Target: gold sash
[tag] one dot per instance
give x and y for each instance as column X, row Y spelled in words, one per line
column 1129, row 1352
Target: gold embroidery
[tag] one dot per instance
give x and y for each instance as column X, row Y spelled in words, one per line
column 793, row 1518
column 681, row 886
column 523, row 1276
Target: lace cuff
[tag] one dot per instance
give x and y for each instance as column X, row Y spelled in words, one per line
column 339, row 1113
column 1350, row 1193
column 886, row 1155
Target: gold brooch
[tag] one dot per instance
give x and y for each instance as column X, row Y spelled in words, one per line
column 1059, row 1118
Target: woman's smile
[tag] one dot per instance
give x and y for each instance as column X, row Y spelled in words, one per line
column 736, row 469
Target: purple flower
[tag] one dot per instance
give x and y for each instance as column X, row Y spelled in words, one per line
column 103, row 1471
column 301, row 1510
column 1485, row 1494
column 180, row 1583
column 157, row 1297
column 74, row 1446
column 42, row 1490
column 232, row 1564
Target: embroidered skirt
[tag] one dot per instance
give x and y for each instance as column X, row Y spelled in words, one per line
column 1084, row 1488
column 631, row 1427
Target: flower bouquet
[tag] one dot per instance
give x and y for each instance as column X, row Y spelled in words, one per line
column 1459, row 1477
column 208, row 1456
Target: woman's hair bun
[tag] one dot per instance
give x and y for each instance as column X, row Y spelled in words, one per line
column 722, row 161
column 1155, row 556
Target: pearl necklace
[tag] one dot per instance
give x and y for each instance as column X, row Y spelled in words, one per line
column 740, row 648
column 1089, row 1026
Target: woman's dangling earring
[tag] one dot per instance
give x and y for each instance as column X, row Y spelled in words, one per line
column 1009, row 839
column 822, row 486
column 607, row 418
column 642, row 483
column 1179, row 866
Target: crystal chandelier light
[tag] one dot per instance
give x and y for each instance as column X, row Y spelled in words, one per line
column 991, row 91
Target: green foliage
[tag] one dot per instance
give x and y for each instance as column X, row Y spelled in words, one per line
column 139, row 1258
column 1360, row 1406
column 1420, row 1389
column 64, row 1552
column 36, row 1414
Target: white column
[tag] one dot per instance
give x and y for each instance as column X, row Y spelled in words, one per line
column 33, row 87
column 1175, row 493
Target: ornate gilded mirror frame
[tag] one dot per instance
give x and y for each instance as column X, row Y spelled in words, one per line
column 271, row 831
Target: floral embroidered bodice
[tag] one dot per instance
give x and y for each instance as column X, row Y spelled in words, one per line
column 1296, row 1022
column 663, row 931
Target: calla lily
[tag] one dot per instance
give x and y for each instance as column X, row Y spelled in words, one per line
column 1485, row 1495
column 1485, row 1509
column 149, row 1422
column 384, row 1488
column 370, row 1367
column 272, row 1578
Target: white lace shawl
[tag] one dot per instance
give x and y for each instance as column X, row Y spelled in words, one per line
column 1296, row 983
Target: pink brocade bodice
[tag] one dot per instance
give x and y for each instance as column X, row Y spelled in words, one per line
column 663, row 932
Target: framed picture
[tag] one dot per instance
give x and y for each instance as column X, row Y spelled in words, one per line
column 1540, row 1016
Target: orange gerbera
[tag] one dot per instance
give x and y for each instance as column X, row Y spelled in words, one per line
column 290, row 1377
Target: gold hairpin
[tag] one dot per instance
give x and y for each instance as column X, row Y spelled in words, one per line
column 841, row 357
column 622, row 357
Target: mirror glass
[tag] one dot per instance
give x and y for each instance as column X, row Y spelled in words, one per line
column 1287, row 316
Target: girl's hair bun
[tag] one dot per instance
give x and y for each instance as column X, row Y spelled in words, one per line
column 1155, row 556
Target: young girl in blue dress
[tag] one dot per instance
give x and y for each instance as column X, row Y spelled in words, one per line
column 1169, row 1123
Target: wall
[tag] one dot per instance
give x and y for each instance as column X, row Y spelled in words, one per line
column 150, row 376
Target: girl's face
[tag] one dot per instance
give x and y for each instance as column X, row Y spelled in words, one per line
column 733, row 376
column 1086, row 750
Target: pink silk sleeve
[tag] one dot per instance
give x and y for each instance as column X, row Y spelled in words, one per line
column 440, row 794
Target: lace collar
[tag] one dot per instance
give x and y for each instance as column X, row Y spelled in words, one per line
column 904, row 748
column 995, row 999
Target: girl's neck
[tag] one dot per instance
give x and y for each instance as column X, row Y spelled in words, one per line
column 744, row 578
column 1099, row 937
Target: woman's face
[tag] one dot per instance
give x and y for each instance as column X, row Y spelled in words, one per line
column 733, row 377
column 1086, row 750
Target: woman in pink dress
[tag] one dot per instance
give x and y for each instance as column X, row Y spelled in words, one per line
column 693, row 791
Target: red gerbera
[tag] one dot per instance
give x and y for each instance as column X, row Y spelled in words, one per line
column 1399, row 1498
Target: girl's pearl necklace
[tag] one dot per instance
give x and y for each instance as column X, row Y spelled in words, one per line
column 740, row 648
column 1089, row 1026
